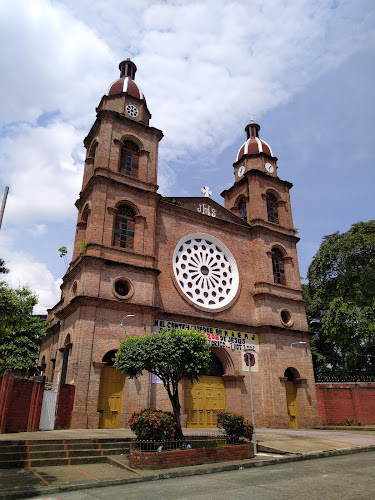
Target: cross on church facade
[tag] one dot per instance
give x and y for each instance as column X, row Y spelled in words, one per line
column 206, row 191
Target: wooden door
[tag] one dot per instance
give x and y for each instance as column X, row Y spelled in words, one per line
column 291, row 399
column 110, row 397
column 203, row 400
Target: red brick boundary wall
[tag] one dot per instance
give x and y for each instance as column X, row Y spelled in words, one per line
column 339, row 401
column 20, row 404
column 176, row 458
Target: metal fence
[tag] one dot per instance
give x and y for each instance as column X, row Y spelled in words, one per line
column 344, row 378
column 189, row 442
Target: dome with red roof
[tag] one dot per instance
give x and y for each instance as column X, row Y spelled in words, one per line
column 253, row 145
column 126, row 81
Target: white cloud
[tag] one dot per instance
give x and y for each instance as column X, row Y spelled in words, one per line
column 38, row 230
column 26, row 271
column 48, row 62
column 43, row 168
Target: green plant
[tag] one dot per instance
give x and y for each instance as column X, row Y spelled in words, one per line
column 63, row 251
column 82, row 247
column 153, row 425
column 351, row 421
column 234, row 424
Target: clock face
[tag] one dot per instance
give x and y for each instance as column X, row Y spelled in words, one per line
column 205, row 271
column 241, row 171
column 132, row 110
column 270, row 168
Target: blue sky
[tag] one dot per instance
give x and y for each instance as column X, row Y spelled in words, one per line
column 306, row 69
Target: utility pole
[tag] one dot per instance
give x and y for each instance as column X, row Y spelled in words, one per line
column 251, row 360
column 3, row 204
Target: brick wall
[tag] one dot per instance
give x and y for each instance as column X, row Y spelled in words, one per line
column 176, row 458
column 20, row 404
column 340, row 401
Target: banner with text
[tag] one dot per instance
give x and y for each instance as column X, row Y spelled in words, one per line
column 218, row 337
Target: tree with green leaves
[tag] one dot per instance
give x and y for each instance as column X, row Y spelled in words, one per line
column 16, row 306
column 341, row 296
column 172, row 355
column 19, row 349
column 21, row 334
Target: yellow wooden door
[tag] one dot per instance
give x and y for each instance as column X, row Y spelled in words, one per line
column 291, row 399
column 203, row 400
column 110, row 397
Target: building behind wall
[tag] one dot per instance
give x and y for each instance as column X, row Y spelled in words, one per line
column 142, row 262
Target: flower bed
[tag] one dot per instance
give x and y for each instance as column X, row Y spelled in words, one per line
column 178, row 458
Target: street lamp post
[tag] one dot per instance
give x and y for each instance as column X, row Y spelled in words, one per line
column 251, row 361
column 127, row 316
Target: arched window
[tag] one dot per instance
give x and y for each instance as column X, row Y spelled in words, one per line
column 278, row 267
column 124, row 227
column 129, row 158
column 85, row 213
column 272, row 211
column 66, row 351
column 242, row 209
column 93, row 149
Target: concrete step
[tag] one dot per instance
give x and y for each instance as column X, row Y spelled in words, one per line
column 55, row 452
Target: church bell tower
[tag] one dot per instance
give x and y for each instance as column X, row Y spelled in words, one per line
column 113, row 272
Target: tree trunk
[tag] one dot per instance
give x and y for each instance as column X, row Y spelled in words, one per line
column 175, row 401
column 177, row 413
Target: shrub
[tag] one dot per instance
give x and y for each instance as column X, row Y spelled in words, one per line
column 153, row 425
column 234, row 424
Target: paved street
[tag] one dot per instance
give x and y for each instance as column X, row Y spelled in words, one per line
column 344, row 478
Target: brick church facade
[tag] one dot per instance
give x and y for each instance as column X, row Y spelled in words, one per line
column 143, row 262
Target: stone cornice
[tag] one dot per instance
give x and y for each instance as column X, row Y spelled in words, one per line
column 114, row 115
column 88, row 301
column 82, row 260
column 100, row 175
column 270, row 295
column 274, row 228
column 254, row 173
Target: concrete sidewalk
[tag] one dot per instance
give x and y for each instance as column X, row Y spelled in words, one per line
column 274, row 445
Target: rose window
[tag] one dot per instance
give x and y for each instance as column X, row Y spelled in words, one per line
column 205, row 271
column 132, row 110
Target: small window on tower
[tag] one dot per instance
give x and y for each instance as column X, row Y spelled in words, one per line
column 124, row 228
column 278, row 267
column 129, row 159
column 272, row 210
column 242, row 209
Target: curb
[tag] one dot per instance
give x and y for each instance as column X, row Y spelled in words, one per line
column 186, row 472
column 345, row 428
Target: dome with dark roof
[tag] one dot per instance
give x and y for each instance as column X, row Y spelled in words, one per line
column 253, row 145
column 126, row 81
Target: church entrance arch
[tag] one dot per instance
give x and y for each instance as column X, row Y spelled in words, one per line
column 204, row 398
column 291, row 396
column 110, row 394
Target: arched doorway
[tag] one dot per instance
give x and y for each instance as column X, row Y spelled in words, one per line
column 110, row 393
column 203, row 399
column 291, row 396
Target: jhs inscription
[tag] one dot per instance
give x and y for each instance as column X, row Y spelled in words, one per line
column 206, row 210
